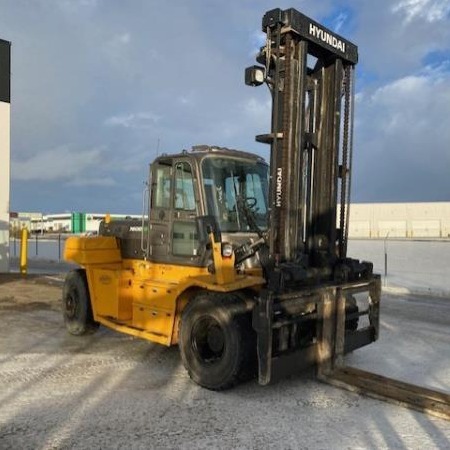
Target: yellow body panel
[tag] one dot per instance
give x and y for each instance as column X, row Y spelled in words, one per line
column 225, row 271
column 110, row 296
column 144, row 334
column 143, row 298
column 92, row 250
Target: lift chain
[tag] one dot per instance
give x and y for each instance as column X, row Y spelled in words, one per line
column 346, row 161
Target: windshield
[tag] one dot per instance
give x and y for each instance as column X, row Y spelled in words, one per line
column 236, row 193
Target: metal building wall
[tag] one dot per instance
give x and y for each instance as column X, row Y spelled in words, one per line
column 400, row 220
column 5, row 99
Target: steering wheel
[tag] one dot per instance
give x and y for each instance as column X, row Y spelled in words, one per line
column 251, row 202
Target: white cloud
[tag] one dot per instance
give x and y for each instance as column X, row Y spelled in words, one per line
column 415, row 90
column 92, row 181
column 123, row 38
column 118, row 44
column 339, row 21
column 402, row 137
column 394, row 37
column 63, row 163
column 73, row 6
column 78, row 64
column 257, row 40
column 183, row 100
column 187, row 98
column 117, row 51
column 133, row 120
column 258, row 109
column 428, row 10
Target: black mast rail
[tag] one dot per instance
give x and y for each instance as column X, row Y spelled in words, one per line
column 309, row 71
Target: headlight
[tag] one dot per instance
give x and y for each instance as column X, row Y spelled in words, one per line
column 254, row 75
column 227, row 250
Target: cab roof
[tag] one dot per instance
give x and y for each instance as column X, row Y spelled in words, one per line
column 200, row 151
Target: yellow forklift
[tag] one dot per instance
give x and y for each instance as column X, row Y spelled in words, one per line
column 244, row 265
column 236, row 261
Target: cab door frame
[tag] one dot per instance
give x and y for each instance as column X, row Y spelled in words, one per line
column 159, row 230
column 169, row 220
column 186, row 207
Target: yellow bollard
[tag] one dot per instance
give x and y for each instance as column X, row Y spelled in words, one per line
column 24, row 251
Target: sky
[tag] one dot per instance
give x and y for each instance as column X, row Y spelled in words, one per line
column 100, row 87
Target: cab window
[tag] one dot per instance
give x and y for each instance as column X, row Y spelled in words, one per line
column 163, row 183
column 184, row 187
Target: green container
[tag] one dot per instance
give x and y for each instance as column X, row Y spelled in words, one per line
column 78, row 222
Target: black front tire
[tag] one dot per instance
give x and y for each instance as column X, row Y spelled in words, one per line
column 215, row 341
column 76, row 304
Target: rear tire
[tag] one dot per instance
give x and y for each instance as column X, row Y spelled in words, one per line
column 215, row 341
column 76, row 304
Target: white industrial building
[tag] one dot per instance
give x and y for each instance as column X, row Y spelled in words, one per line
column 5, row 100
column 63, row 223
column 400, row 220
column 367, row 220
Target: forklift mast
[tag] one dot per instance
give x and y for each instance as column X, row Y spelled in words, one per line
column 310, row 73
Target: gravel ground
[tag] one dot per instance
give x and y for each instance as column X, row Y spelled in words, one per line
column 112, row 391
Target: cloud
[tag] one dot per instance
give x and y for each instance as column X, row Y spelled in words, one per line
column 123, row 38
column 258, row 110
column 117, row 50
column 133, row 120
column 395, row 37
column 257, row 40
column 339, row 21
column 188, row 98
column 64, row 163
column 402, row 138
column 96, row 74
column 428, row 10
column 71, row 6
column 92, row 181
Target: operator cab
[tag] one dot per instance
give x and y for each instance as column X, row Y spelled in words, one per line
column 190, row 191
column 227, row 187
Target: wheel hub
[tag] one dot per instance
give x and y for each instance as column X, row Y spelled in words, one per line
column 215, row 339
column 71, row 305
column 208, row 340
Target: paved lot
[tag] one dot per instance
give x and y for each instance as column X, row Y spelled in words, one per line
column 413, row 266
column 112, row 391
